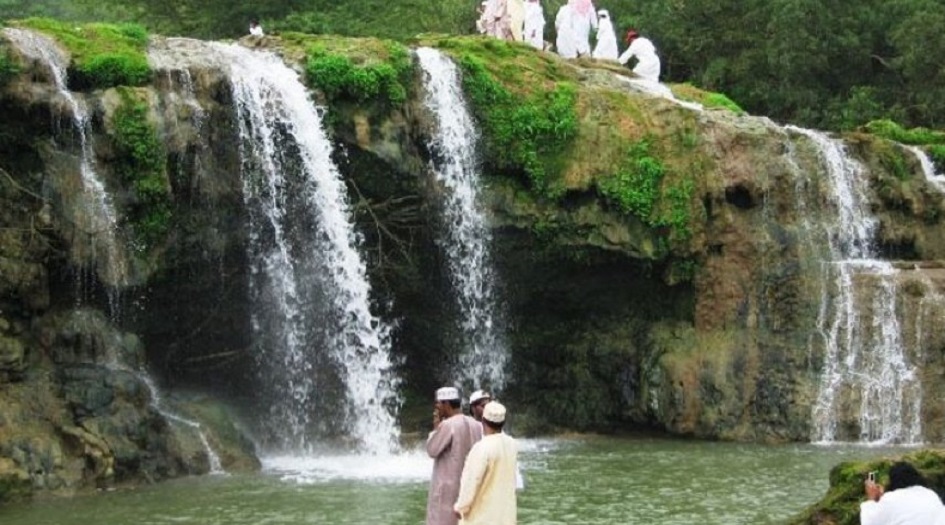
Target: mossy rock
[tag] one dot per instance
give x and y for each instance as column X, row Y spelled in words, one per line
column 708, row 99
column 103, row 55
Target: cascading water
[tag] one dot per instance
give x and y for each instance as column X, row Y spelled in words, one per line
column 867, row 367
column 304, row 254
column 467, row 237
column 216, row 467
column 95, row 218
column 928, row 168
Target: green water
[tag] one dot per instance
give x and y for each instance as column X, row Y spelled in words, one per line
column 569, row 481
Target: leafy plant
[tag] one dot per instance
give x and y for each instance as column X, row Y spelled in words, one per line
column 103, row 55
column 140, row 164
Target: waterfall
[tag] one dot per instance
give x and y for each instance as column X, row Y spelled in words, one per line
column 303, row 248
column 466, row 234
column 928, row 168
column 866, row 369
column 98, row 223
column 323, row 356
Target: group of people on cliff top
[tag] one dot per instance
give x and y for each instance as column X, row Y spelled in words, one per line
column 524, row 21
column 475, row 464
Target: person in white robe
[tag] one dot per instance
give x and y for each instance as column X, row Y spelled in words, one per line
column 606, row 47
column 583, row 21
column 565, row 41
column 648, row 63
column 255, row 29
column 534, row 24
column 487, row 490
column 516, row 20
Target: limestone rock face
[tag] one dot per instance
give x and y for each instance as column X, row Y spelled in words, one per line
column 711, row 326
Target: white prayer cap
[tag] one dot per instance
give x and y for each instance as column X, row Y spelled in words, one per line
column 447, row 393
column 494, row 412
column 478, row 395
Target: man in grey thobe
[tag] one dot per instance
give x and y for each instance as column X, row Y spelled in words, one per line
column 453, row 435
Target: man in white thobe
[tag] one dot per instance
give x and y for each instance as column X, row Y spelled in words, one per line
column 487, row 491
column 583, row 21
column 452, row 437
column 648, row 64
column 606, row 47
column 534, row 24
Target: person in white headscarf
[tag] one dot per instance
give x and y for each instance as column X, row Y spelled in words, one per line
column 583, row 20
column 534, row 24
column 648, row 64
column 606, row 47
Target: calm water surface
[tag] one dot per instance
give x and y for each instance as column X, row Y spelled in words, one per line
column 588, row 480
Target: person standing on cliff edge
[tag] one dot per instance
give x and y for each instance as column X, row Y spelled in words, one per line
column 452, row 437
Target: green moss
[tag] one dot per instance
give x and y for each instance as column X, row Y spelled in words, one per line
column 915, row 136
column 140, row 164
column 937, row 154
column 8, row 67
column 528, row 121
column 638, row 188
column 708, row 99
column 356, row 70
column 103, row 55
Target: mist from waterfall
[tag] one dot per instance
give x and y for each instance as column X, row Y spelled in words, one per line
column 323, row 356
column 867, row 367
column 94, row 217
column 465, row 237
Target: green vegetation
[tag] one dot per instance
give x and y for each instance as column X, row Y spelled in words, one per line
column 917, row 136
column 528, row 120
column 8, row 67
column 933, row 141
column 140, row 164
column 345, row 69
column 638, row 188
column 708, row 99
column 103, row 55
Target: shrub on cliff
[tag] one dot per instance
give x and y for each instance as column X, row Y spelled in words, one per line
column 103, row 55
column 140, row 164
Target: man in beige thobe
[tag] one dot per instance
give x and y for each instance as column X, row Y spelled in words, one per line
column 453, row 435
column 487, row 490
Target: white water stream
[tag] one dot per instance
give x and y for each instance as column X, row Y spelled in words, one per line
column 928, row 168
column 866, row 362
column 467, row 239
column 99, row 222
column 288, row 171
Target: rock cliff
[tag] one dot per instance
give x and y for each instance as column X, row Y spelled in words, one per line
column 661, row 263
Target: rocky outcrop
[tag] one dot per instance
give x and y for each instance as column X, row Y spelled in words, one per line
column 700, row 317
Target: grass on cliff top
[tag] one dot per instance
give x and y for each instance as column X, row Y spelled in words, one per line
column 932, row 141
column 353, row 69
column 708, row 99
column 103, row 55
